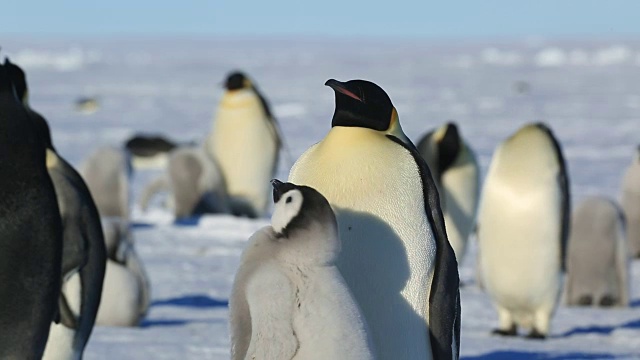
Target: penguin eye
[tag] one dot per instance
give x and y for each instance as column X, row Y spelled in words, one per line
column 288, row 200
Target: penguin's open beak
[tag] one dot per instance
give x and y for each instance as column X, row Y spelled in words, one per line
column 341, row 88
column 277, row 189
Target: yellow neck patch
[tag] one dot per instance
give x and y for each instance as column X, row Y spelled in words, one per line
column 52, row 159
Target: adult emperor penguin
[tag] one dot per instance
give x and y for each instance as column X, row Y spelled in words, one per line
column 245, row 142
column 455, row 169
column 107, row 172
column 194, row 181
column 30, row 233
column 523, row 226
column 311, row 314
column 630, row 201
column 597, row 257
column 83, row 245
column 396, row 258
column 126, row 291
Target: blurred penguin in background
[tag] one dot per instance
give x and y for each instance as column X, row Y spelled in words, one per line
column 83, row 246
column 631, row 203
column 245, row 141
column 456, row 171
column 126, row 292
column 30, row 231
column 194, row 182
column 523, row 228
column 597, row 257
column 107, row 172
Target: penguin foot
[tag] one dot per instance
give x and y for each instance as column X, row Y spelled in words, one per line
column 536, row 335
column 607, row 301
column 585, row 300
column 512, row 331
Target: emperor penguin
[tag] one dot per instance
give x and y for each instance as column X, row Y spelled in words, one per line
column 288, row 299
column 523, row 226
column 396, row 258
column 245, row 142
column 630, row 201
column 83, row 250
column 597, row 255
column 107, row 172
column 149, row 151
column 455, row 169
column 194, row 181
column 126, row 292
column 30, row 232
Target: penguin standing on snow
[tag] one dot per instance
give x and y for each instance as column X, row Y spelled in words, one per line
column 630, row 201
column 245, row 142
column 523, row 227
column 194, row 181
column 310, row 312
column 395, row 258
column 107, row 172
column 455, row 169
column 83, row 245
column 30, row 232
column 597, row 257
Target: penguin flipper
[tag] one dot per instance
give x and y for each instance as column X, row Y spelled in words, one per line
column 75, row 249
column 444, row 298
column 65, row 315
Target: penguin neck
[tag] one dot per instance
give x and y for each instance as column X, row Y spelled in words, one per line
column 239, row 98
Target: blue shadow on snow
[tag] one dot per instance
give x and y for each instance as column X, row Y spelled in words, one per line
column 195, row 301
column 187, row 221
column 600, row 330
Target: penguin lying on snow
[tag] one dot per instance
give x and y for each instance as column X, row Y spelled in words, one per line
column 630, row 201
column 194, row 182
column 107, row 172
column 83, row 245
column 597, row 258
column 523, row 227
column 288, row 299
column 126, row 292
column 30, row 232
column 455, row 169
column 395, row 257
column 245, row 142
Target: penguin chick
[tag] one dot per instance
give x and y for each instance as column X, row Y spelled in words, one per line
column 311, row 313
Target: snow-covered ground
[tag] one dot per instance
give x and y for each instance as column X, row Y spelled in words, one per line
column 588, row 91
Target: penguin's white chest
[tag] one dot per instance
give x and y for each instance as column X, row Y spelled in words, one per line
column 519, row 239
column 388, row 248
column 121, row 297
column 243, row 143
column 327, row 321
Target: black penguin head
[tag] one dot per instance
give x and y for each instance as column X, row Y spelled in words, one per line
column 449, row 146
column 18, row 79
column 297, row 207
column 236, row 81
column 361, row 103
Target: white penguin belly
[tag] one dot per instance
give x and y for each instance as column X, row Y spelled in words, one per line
column 520, row 246
column 121, row 297
column 461, row 191
column 388, row 250
column 245, row 148
column 60, row 343
column 328, row 323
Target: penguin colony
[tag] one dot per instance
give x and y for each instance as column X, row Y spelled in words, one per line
column 361, row 258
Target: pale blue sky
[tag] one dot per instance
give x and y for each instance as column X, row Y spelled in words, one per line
column 336, row 18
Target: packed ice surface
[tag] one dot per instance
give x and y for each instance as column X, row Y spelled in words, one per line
column 587, row 91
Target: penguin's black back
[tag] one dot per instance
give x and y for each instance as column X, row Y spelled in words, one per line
column 30, row 233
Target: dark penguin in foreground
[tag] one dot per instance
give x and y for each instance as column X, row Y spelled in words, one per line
column 30, row 233
column 523, row 228
column 396, row 258
column 83, row 244
column 457, row 173
column 597, row 257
